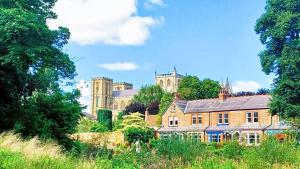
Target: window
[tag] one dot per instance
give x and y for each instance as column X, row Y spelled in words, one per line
column 175, row 121
column 170, row 121
column 173, row 109
column 215, row 138
column 161, row 83
column 255, row 117
column 249, row 118
column 97, row 101
column 252, row 117
column 253, row 138
column 195, row 137
column 220, row 118
column 226, row 118
column 199, row 119
column 169, row 82
column 194, row 120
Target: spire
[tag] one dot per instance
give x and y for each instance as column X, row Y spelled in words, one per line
column 174, row 70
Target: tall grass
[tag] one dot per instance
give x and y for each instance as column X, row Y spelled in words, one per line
column 16, row 153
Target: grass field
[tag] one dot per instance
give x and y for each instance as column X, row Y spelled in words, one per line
column 16, row 153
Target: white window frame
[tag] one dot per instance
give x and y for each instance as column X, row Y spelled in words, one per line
column 217, row 138
column 256, row 138
column 171, row 119
column 220, row 118
column 255, row 117
column 198, row 119
column 175, row 120
column 247, row 118
column 225, row 118
column 194, row 117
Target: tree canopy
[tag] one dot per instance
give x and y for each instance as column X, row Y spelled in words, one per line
column 192, row 88
column 32, row 68
column 149, row 94
column 279, row 29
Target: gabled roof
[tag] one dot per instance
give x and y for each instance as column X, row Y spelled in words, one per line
column 125, row 93
column 231, row 103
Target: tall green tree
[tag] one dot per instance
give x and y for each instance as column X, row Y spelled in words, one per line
column 149, row 94
column 32, row 66
column 192, row 88
column 279, row 29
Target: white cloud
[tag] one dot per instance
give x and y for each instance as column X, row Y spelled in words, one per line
column 85, row 91
column 121, row 66
column 105, row 21
column 251, row 86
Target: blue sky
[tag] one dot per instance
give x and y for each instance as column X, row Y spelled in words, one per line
column 207, row 38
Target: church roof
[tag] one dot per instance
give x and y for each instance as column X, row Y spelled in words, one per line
column 231, row 103
column 125, row 93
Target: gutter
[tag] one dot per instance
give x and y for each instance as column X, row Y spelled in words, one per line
column 268, row 125
column 207, row 126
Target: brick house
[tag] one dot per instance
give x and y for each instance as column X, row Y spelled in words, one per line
column 245, row 119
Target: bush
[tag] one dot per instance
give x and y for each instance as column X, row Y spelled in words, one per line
column 132, row 134
column 232, row 150
column 105, row 118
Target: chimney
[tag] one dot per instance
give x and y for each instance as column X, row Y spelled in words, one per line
column 223, row 95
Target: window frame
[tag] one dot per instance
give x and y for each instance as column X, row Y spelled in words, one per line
column 170, row 119
column 175, row 121
column 220, row 117
column 247, row 117
column 227, row 118
column 194, row 117
column 255, row 118
column 199, row 119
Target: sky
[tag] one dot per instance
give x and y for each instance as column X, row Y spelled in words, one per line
column 128, row 40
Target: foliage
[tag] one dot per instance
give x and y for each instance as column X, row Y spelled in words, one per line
column 32, row 66
column 189, row 88
column 192, row 88
column 84, row 125
column 135, row 107
column 149, row 94
column 153, row 108
column 99, row 127
column 279, row 31
column 134, row 120
column 105, row 118
column 165, row 102
column 209, row 89
column 50, row 116
column 163, row 154
column 133, row 134
column 117, row 123
column 261, row 91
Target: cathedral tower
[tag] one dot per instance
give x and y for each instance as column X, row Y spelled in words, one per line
column 101, row 94
column 168, row 82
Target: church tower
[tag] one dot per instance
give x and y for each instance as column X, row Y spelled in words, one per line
column 101, row 94
column 168, row 82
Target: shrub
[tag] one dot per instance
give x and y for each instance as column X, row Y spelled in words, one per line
column 232, row 150
column 105, row 118
column 133, row 134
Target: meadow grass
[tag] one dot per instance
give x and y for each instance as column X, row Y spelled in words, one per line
column 16, row 153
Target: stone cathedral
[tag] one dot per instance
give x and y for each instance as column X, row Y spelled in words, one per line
column 116, row 96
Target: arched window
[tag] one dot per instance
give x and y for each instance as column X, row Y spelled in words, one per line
column 161, row 83
column 169, row 82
